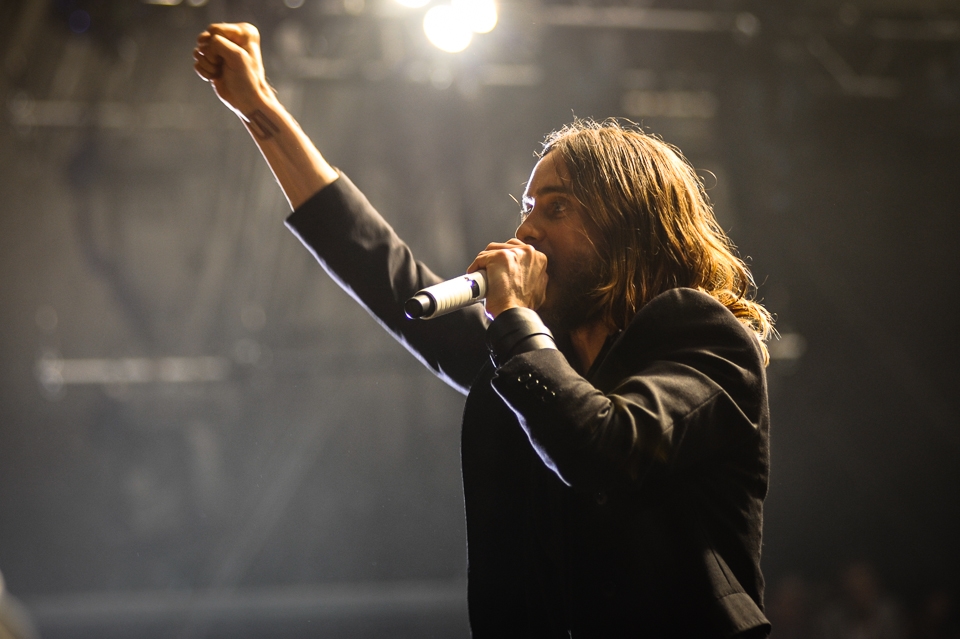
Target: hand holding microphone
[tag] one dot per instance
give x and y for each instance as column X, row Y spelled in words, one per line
column 504, row 275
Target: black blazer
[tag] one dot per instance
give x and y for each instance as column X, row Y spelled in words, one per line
column 623, row 503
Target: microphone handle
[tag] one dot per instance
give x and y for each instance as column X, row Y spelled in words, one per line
column 447, row 297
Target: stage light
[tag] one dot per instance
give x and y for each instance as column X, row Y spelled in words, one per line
column 413, row 4
column 447, row 28
column 481, row 15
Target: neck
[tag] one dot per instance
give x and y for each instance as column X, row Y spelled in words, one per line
column 587, row 342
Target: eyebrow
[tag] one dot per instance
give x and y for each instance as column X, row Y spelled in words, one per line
column 547, row 190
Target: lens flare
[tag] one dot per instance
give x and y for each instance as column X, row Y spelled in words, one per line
column 481, row 15
column 447, row 29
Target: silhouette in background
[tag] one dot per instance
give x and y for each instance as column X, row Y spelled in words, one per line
column 863, row 610
column 790, row 608
column 936, row 617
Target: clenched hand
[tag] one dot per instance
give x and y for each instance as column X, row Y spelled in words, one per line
column 516, row 275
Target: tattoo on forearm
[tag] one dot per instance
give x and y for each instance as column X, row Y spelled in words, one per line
column 263, row 128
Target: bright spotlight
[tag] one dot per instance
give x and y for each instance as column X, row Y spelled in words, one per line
column 413, row 4
column 447, row 29
column 481, row 15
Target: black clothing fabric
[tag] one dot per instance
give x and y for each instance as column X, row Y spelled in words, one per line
column 517, row 330
column 623, row 503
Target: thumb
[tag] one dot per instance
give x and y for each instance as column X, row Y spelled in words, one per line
column 229, row 52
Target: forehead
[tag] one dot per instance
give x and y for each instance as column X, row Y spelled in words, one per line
column 549, row 175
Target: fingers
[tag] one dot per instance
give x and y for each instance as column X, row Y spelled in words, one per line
column 207, row 56
column 483, row 258
column 495, row 247
column 216, row 53
column 512, row 250
column 208, row 68
column 477, row 264
column 228, row 56
column 524, row 252
column 223, row 47
column 243, row 35
column 208, row 71
column 225, row 37
column 516, row 275
column 511, row 242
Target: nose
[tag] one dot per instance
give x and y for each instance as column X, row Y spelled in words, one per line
column 529, row 232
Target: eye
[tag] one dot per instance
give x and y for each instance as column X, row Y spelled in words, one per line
column 526, row 208
column 557, row 208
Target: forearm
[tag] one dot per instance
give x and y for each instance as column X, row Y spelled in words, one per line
column 296, row 163
column 228, row 56
column 367, row 259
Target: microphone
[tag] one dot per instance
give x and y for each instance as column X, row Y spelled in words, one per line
column 447, row 297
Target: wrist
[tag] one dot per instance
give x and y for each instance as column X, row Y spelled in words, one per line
column 262, row 115
column 495, row 309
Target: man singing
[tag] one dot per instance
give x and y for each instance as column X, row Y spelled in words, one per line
column 615, row 434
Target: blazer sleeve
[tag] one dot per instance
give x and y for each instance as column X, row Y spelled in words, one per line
column 364, row 255
column 683, row 384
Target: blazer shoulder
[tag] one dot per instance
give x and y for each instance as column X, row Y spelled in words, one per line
column 685, row 317
column 687, row 326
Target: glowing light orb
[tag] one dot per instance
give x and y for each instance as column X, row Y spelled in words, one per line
column 481, row 15
column 447, row 28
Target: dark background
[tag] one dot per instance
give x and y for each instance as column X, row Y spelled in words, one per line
column 307, row 484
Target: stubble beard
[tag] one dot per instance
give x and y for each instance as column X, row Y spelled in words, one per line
column 570, row 302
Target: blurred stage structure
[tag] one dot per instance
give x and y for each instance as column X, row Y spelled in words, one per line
column 202, row 436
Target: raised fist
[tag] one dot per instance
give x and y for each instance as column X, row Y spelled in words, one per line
column 228, row 56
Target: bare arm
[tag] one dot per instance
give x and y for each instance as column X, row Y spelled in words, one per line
column 228, row 56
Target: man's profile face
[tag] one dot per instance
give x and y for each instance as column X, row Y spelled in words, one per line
column 554, row 223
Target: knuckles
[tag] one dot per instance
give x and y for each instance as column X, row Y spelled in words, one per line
column 240, row 33
column 514, row 254
column 249, row 31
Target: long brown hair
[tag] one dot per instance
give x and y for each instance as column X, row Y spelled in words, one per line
column 653, row 223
